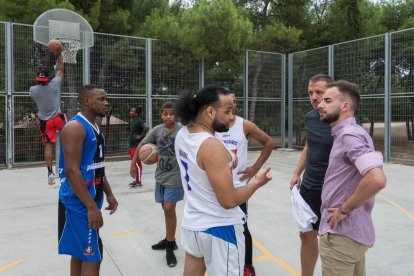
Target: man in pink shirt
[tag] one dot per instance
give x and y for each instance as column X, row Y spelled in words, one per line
column 353, row 178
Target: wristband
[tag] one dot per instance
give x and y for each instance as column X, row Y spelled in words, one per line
column 342, row 212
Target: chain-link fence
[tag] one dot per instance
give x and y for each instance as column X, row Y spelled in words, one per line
column 402, row 95
column 147, row 72
column 133, row 71
column 265, row 91
column 302, row 66
column 3, row 106
column 383, row 67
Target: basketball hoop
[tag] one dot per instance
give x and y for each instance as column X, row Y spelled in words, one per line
column 70, row 28
column 70, row 49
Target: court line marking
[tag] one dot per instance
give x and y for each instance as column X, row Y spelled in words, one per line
column 268, row 255
column 259, row 258
column 403, row 210
column 10, row 265
column 113, row 260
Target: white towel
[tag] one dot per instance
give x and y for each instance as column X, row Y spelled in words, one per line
column 302, row 213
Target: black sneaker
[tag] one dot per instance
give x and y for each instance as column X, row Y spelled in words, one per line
column 171, row 259
column 133, row 186
column 162, row 245
column 132, row 183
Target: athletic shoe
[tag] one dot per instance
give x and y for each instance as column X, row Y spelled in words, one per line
column 171, row 259
column 162, row 245
column 132, row 183
column 249, row 270
column 133, row 186
column 139, row 184
column 51, row 178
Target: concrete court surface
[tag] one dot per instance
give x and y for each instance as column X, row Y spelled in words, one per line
column 28, row 224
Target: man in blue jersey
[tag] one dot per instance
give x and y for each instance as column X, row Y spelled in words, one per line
column 83, row 183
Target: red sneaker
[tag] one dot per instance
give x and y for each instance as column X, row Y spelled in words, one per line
column 249, row 270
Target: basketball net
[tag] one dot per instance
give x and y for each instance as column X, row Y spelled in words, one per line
column 70, row 49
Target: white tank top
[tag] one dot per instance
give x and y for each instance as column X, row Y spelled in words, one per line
column 236, row 141
column 202, row 209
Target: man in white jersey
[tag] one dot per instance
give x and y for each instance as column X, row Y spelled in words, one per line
column 212, row 223
column 237, row 139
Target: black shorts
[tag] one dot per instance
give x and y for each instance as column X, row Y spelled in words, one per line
column 313, row 199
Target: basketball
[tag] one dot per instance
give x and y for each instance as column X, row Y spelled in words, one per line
column 55, row 46
column 148, row 154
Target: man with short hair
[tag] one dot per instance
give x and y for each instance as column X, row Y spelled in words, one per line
column 50, row 118
column 83, row 184
column 314, row 160
column 353, row 178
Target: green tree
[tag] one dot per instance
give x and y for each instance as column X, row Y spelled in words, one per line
column 215, row 29
column 397, row 14
column 371, row 16
column 141, row 9
column 110, row 16
column 165, row 27
column 26, row 11
column 343, row 15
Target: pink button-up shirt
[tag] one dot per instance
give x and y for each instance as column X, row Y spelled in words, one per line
column 352, row 156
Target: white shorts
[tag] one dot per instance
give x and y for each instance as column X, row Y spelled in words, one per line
column 221, row 247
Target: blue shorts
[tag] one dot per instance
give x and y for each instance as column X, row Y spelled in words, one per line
column 168, row 194
column 76, row 238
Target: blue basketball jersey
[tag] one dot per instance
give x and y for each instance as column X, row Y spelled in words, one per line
column 92, row 167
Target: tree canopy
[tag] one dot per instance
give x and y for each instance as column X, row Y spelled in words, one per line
column 225, row 28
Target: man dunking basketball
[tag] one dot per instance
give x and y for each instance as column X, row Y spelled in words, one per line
column 50, row 118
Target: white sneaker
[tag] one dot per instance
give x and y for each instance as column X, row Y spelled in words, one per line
column 51, row 178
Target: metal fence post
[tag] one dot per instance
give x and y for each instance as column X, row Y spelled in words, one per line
column 86, row 64
column 283, row 101
column 246, row 85
column 148, row 81
column 387, row 96
column 9, row 96
column 331, row 63
column 290, row 100
column 201, row 73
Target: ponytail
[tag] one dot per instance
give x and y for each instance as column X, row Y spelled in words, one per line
column 189, row 103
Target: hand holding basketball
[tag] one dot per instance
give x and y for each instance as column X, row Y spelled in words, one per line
column 148, row 154
column 55, row 46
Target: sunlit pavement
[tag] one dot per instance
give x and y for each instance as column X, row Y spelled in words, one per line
column 28, row 224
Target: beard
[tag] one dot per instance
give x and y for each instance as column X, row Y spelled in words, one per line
column 219, row 127
column 330, row 118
